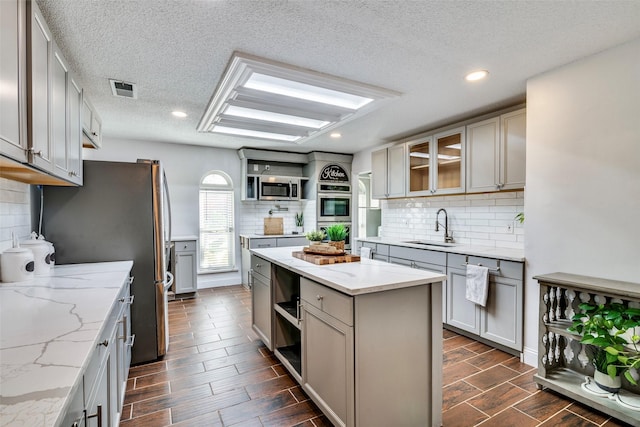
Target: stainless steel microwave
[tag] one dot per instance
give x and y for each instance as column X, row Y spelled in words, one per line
column 279, row 188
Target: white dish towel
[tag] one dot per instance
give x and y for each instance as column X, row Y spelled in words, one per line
column 365, row 252
column 477, row 284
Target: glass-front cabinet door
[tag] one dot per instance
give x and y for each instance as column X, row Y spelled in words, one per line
column 436, row 164
column 419, row 167
column 449, row 159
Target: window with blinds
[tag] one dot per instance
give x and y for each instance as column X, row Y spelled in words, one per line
column 216, row 223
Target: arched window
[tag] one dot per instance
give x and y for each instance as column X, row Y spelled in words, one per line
column 216, row 222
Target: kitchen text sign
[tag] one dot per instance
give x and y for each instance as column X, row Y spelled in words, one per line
column 333, row 173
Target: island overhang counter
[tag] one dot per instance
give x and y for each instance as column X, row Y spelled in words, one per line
column 364, row 339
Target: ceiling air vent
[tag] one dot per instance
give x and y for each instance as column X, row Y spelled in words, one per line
column 123, row 89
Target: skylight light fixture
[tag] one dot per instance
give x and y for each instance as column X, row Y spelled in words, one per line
column 258, row 98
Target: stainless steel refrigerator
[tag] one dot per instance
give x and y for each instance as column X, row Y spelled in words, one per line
column 121, row 212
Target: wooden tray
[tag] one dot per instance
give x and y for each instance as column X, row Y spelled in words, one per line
column 322, row 250
column 325, row 259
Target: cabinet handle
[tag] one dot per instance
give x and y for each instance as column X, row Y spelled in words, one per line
column 258, row 265
column 97, row 414
column 131, row 279
column 105, row 343
column 127, row 300
column 73, row 173
column 131, row 340
column 298, row 311
column 319, row 297
column 35, row 153
column 94, row 134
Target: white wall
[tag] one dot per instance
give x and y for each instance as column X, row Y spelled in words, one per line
column 583, row 174
column 185, row 165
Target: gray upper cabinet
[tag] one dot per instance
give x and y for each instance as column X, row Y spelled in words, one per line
column 13, row 137
column 40, row 110
column 496, row 153
column 91, row 125
column 388, row 172
column 436, row 164
column 39, row 90
column 74, row 133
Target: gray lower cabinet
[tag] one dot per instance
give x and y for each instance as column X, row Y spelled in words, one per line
column 501, row 320
column 353, row 379
column 261, row 299
column 186, row 276
column 327, row 350
column 98, row 399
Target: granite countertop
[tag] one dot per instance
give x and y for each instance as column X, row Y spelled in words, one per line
column 49, row 326
column 506, row 254
column 352, row 278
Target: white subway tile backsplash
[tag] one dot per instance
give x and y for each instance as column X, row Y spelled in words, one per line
column 476, row 219
column 15, row 213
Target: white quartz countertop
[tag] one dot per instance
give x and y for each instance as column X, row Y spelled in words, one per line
column 352, row 278
column 49, row 326
column 270, row 236
column 506, row 254
column 184, row 238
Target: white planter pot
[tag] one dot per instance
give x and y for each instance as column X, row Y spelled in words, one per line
column 605, row 382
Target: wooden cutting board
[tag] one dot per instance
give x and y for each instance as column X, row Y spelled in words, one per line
column 273, row 226
column 325, row 259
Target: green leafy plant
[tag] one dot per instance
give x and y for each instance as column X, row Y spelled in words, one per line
column 299, row 219
column 520, row 218
column 610, row 332
column 336, row 232
column 314, row 236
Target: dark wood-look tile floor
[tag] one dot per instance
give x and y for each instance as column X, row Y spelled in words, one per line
column 218, row 373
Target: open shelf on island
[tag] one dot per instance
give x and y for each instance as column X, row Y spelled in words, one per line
column 293, row 355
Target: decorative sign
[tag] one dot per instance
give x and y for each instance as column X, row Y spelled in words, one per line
column 333, row 173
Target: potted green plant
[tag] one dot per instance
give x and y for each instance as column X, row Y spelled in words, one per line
column 299, row 222
column 611, row 332
column 337, row 233
column 315, row 237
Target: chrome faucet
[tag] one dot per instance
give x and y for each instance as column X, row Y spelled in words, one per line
column 448, row 238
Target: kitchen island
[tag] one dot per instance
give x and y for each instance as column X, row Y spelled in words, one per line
column 364, row 339
column 51, row 330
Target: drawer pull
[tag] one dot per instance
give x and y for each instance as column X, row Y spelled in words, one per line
column 319, row 297
column 131, row 340
column 258, row 265
column 497, row 268
column 105, row 343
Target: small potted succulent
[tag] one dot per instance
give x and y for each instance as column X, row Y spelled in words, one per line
column 315, row 237
column 337, row 233
column 612, row 335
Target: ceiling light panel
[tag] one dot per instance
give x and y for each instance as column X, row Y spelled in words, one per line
column 277, row 101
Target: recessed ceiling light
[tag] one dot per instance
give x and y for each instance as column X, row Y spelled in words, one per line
column 335, row 135
column 476, row 75
column 272, row 100
column 180, row 114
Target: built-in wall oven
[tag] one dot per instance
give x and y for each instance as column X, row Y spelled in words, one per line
column 334, row 203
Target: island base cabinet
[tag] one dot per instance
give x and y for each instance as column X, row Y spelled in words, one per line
column 328, row 365
column 398, row 357
column 261, row 309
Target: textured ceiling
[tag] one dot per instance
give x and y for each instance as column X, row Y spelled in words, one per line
column 177, row 50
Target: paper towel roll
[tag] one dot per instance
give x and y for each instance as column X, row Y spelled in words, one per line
column 365, row 252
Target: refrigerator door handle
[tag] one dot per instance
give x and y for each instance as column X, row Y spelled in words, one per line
column 168, row 283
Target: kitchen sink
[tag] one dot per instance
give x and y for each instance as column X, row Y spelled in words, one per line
column 431, row 243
